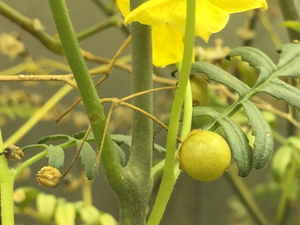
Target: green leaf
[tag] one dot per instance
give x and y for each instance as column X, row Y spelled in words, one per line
column 239, row 143
column 81, row 134
column 126, row 139
column 55, row 156
column 88, row 159
column 263, row 138
column 54, row 138
column 34, row 146
column 256, row 59
column 283, row 91
column 295, row 25
column 280, row 162
column 289, row 60
column 217, row 74
column 120, row 153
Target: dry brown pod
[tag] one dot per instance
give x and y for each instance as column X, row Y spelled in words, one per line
column 49, row 176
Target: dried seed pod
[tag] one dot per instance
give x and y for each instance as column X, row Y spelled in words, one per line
column 49, row 176
column 13, row 152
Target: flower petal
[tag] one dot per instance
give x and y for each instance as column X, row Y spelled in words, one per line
column 167, row 45
column 209, row 19
column 235, row 6
column 158, row 12
column 124, row 6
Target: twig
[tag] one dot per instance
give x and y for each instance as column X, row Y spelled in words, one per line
column 78, row 150
column 104, row 132
column 106, row 71
column 20, row 78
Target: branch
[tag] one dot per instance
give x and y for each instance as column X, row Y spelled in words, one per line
column 111, row 165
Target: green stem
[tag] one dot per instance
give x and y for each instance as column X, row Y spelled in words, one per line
column 291, row 11
column 286, row 189
column 110, row 163
column 245, row 196
column 6, row 190
column 134, row 203
column 28, row 162
column 168, row 179
column 27, row 24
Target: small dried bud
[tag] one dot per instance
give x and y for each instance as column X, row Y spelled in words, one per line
column 49, row 176
column 13, row 152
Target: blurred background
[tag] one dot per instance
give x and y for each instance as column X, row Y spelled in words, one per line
column 192, row 202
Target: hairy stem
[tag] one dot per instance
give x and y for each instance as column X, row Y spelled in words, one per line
column 133, row 206
column 111, row 165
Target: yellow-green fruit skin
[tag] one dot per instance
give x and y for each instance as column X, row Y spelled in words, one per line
column 204, row 155
column 200, row 91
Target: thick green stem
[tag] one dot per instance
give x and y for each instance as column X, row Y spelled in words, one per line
column 110, row 163
column 169, row 177
column 133, row 206
column 291, row 11
column 6, row 189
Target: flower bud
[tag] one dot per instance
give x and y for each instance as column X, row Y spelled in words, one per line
column 13, row 152
column 49, row 176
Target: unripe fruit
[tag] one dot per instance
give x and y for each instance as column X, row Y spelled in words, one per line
column 200, row 91
column 204, row 155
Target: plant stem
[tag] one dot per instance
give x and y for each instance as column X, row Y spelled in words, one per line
column 28, row 162
column 133, row 205
column 291, row 11
column 6, row 190
column 169, row 179
column 111, row 165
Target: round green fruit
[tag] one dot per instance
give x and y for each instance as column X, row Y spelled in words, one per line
column 204, row 155
column 200, row 91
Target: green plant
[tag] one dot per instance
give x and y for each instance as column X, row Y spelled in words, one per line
column 133, row 176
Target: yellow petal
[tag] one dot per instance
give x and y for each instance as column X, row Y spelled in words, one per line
column 159, row 12
column 124, row 7
column 167, row 44
column 209, row 19
column 235, row 6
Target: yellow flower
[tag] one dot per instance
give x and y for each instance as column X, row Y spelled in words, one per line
column 166, row 16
